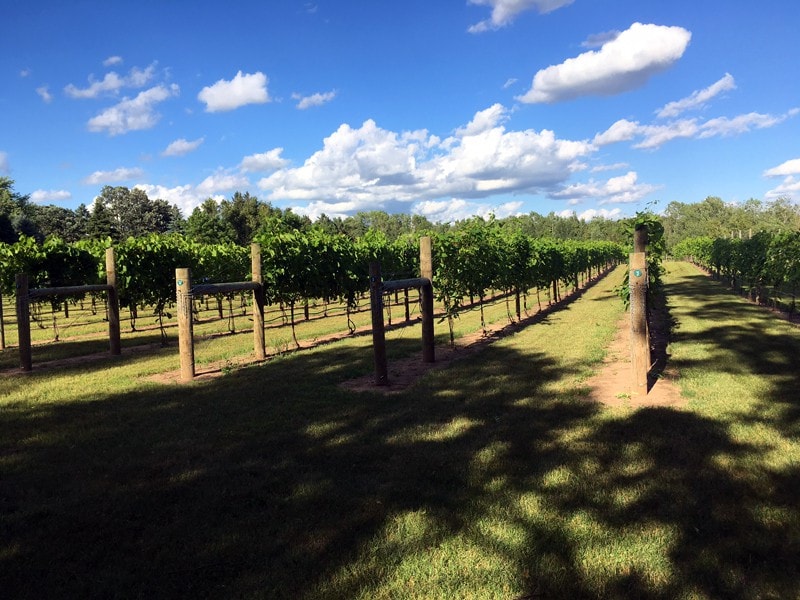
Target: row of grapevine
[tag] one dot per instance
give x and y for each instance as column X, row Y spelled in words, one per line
column 479, row 257
column 766, row 266
column 313, row 265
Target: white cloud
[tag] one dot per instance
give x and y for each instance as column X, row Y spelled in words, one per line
column 45, row 94
column 317, row 99
column 370, row 166
column 240, row 91
column 133, row 114
column 597, row 40
column 654, row 136
column 484, row 120
column 790, row 167
column 614, row 167
column 4, row 168
column 509, row 82
column 657, row 135
column 112, row 60
column 115, row 176
column 723, row 126
column 185, row 197
column 603, row 213
column 112, row 83
column 456, row 209
column 222, row 182
column 505, row 11
column 42, row 196
column 622, row 64
column 25, row 73
column 264, row 162
column 621, row 131
column 698, row 98
column 622, row 189
column 789, row 188
column 180, row 147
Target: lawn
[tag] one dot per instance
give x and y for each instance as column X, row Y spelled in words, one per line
column 493, row 478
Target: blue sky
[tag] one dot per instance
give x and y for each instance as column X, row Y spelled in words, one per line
column 441, row 108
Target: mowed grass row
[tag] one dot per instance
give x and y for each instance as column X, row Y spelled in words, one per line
column 493, row 478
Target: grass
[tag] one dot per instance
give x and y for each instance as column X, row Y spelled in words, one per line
column 494, row 478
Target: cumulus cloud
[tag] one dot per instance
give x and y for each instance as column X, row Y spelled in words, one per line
column 790, row 167
column 698, row 98
column 623, row 189
column 185, row 197
column 45, row 94
column 243, row 89
column 601, row 213
column 264, row 162
column 456, row 209
column 621, row 131
column 723, row 126
column 222, row 182
column 181, row 147
column 598, row 40
column 42, row 196
column 620, row 65
column 369, row 166
column 135, row 113
column 112, row 83
column 116, row 176
column 789, row 188
column 4, row 168
column 112, row 60
column 317, row 99
column 614, row 167
column 652, row 137
column 505, row 11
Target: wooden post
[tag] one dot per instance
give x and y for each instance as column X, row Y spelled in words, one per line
column 640, row 238
column 114, row 341
column 378, row 333
column 23, row 322
column 183, row 288
column 640, row 346
column 428, row 338
column 426, row 299
column 259, row 345
column 425, row 258
column 2, row 325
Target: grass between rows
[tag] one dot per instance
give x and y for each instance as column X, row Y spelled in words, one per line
column 493, row 478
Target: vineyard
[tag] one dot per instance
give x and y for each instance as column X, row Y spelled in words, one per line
column 308, row 276
column 764, row 266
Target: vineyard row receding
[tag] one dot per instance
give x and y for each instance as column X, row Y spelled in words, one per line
column 764, row 266
column 306, row 274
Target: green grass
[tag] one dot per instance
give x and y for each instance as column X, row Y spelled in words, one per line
column 493, row 478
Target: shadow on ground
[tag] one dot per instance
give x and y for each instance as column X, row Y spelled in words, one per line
column 272, row 482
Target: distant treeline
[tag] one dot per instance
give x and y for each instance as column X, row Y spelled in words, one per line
column 119, row 213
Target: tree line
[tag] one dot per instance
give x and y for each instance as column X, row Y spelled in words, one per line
column 119, row 212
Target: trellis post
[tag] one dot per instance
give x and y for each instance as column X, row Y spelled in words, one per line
column 378, row 333
column 259, row 343
column 183, row 287
column 113, row 303
column 640, row 339
column 23, row 322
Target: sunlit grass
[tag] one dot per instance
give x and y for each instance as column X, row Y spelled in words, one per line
column 493, row 478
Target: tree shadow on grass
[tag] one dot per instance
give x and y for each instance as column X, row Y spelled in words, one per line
column 273, row 482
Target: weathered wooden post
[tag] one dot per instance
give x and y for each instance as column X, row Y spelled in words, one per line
column 183, row 287
column 378, row 333
column 259, row 344
column 2, row 325
column 640, row 347
column 115, row 343
column 426, row 299
column 23, row 322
